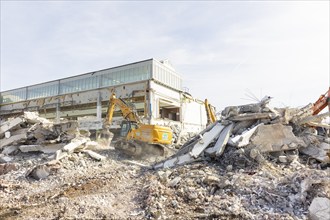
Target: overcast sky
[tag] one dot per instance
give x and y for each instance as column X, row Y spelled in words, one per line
column 224, row 50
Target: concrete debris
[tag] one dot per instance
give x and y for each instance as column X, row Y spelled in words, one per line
column 39, row 172
column 275, row 137
column 256, row 162
column 319, row 209
column 16, row 139
column 33, row 118
column 243, row 139
column 320, row 152
column 206, row 139
column 94, row 155
column 74, row 144
column 9, row 150
column 7, row 134
column 5, row 159
column 258, row 128
column 9, row 125
column 218, row 147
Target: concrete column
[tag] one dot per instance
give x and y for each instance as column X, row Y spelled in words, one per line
column 99, row 107
column 58, row 111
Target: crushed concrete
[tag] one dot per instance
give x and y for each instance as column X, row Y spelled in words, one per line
column 256, row 162
column 319, row 209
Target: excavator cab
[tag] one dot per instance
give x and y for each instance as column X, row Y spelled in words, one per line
column 126, row 126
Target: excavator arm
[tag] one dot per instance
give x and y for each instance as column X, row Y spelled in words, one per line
column 322, row 102
column 210, row 112
column 128, row 113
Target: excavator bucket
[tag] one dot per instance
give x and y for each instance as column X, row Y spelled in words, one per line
column 105, row 137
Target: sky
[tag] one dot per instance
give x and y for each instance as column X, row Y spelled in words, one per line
column 225, row 51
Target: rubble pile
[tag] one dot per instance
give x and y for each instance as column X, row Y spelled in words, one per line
column 236, row 188
column 257, row 162
column 30, row 133
column 256, row 130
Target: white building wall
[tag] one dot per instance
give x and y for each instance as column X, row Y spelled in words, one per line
column 193, row 116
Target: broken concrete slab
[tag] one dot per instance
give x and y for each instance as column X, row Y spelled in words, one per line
column 7, row 126
column 5, row 159
column 9, row 149
column 219, row 146
column 75, row 143
column 59, row 154
column 94, row 155
column 252, row 116
column 29, row 148
column 275, row 137
column 243, row 139
column 320, row 152
column 51, row 148
column 179, row 160
column 241, row 126
column 13, row 140
column 33, row 118
column 206, row 139
column 319, row 209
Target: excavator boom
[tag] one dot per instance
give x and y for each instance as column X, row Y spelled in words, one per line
column 211, row 118
column 128, row 114
column 322, row 102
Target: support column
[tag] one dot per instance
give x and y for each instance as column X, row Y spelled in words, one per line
column 58, row 111
column 99, row 107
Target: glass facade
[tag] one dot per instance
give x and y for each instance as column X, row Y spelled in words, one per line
column 140, row 71
column 16, row 95
column 42, row 90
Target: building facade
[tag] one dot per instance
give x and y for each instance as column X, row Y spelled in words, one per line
column 152, row 86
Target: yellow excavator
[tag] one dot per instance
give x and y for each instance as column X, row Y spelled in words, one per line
column 136, row 138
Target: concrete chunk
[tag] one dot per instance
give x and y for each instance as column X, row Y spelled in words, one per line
column 29, row 148
column 9, row 149
column 60, row 155
column 319, row 152
column 179, row 160
column 5, row 159
column 275, row 137
column 33, row 118
column 10, row 125
column 207, row 138
column 13, row 140
column 219, row 146
column 39, row 172
column 243, row 139
column 75, row 143
column 51, row 148
column 7, row 134
column 94, row 155
column 252, row 116
column 319, row 209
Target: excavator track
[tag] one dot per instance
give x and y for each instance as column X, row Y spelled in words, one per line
column 139, row 149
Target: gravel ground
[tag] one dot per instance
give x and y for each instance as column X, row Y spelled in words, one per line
column 231, row 187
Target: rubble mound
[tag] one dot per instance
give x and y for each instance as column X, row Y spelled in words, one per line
column 255, row 162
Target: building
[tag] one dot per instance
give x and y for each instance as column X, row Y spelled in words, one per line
column 154, row 87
